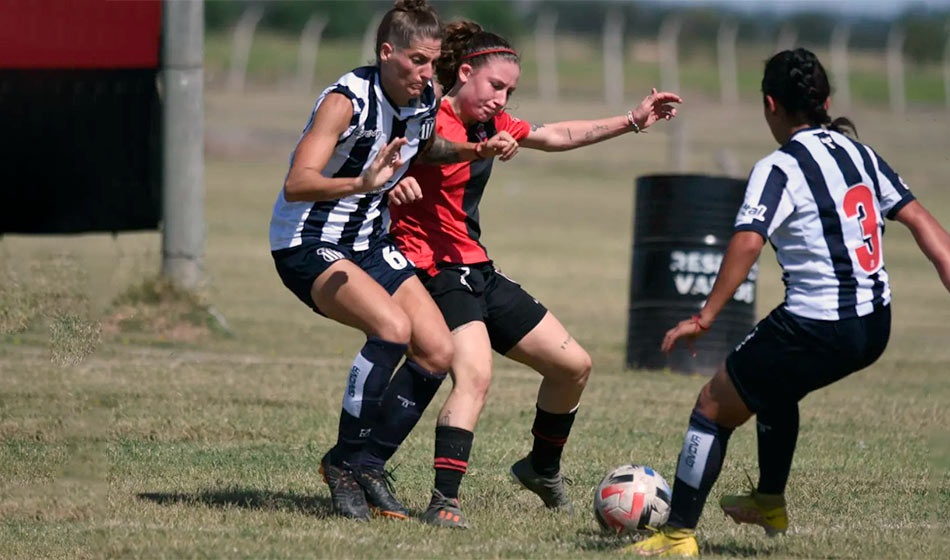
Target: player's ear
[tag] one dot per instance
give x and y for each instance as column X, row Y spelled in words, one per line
column 386, row 51
column 465, row 72
column 827, row 103
column 770, row 104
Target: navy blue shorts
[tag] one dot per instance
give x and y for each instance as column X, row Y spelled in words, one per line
column 786, row 356
column 479, row 292
column 300, row 266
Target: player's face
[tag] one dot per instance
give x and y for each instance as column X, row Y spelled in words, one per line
column 485, row 90
column 406, row 71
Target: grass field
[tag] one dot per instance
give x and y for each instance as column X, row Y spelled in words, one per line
column 137, row 439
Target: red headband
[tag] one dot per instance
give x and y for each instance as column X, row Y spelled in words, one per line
column 489, row 51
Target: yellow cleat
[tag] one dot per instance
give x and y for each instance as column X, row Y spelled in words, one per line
column 765, row 510
column 667, row 542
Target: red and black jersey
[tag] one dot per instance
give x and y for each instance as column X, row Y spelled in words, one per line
column 443, row 226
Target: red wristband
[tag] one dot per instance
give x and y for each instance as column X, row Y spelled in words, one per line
column 698, row 324
column 477, row 149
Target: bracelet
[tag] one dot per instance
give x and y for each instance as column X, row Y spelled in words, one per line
column 632, row 123
column 698, row 324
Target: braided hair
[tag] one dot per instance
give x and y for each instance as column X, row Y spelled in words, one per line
column 798, row 82
column 462, row 39
column 407, row 20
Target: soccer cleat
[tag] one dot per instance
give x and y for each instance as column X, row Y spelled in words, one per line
column 551, row 490
column 666, row 542
column 765, row 510
column 377, row 486
column 345, row 494
column 444, row 512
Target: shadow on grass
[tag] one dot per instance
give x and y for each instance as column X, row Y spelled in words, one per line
column 246, row 498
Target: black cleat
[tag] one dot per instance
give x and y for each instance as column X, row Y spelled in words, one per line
column 551, row 490
column 378, row 487
column 444, row 512
column 345, row 493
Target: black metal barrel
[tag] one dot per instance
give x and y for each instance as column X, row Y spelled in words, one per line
column 682, row 225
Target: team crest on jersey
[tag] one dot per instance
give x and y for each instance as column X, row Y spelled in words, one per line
column 425, row 131
column 754, row 212
column 329, row 255
column 480, row 133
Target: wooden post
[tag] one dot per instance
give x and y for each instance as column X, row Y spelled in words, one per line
column 895, row 69
column 726, row 52
column 241, row 46
column 841, row 96
column 545, row 46
column 307, row 56
column 613, row 57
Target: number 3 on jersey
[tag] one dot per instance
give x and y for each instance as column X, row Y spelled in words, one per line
column 859, row 204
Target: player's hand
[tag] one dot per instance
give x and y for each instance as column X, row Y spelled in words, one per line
column 655, row 107
column 690, row 329
column 502, row 145
column 387, row 161
column 406, row 190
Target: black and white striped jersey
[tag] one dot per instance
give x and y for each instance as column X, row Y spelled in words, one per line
column 354, row 221
column 820, row 200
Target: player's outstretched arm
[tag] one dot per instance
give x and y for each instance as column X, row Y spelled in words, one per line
column 567, row 135
column 931, row 237
column 439, row 151
column 743, row 251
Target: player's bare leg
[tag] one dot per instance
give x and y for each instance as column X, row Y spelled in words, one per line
column 552, row 352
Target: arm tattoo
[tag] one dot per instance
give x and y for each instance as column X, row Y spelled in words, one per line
column 596, row 132
column 440, row 151
column 536, row 126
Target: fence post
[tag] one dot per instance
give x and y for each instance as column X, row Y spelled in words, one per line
column 895, row 69
column 726, row 52
column 839, row 66
column 183, row 221
column 613, row 57
column 547, row 57
column 369, row 53
column 241, row 45
column 309, row 45
column 787, row 37
column 946, row 67
column 669, row 63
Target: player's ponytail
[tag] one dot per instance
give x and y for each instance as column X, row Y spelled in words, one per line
column 466, row 42
column 407, row 20
column 797, row 80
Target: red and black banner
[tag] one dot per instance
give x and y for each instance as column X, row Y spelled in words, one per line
column 80, row 116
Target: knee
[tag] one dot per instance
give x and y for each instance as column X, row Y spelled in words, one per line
column 395, row 327
column 581, row 371
column 437, row 355
column 473, row 381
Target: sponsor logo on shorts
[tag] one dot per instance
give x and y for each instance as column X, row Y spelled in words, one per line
column 329, row 255
column 351, row 382
column 364, row 432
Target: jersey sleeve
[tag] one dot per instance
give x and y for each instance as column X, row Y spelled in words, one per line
column 893, row 193
column 514, row 126
column 357, row 103
column 767, row 202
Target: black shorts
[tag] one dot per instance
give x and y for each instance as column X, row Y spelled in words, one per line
column 786, row 356
column 479, row 292
column 299, row 266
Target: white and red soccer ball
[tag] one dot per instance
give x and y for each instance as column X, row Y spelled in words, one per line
column 631, row 498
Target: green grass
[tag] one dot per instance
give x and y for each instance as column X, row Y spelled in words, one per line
column 142, row 446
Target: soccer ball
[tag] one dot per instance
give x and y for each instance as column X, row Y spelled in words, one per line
column 631, row 498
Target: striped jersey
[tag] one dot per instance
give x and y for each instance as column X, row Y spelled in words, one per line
column 356, row 220
column 820, row 200
column 443, row 226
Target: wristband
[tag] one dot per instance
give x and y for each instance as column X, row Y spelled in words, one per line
column 478, row 148
column 698, row 324
column 632, row 123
